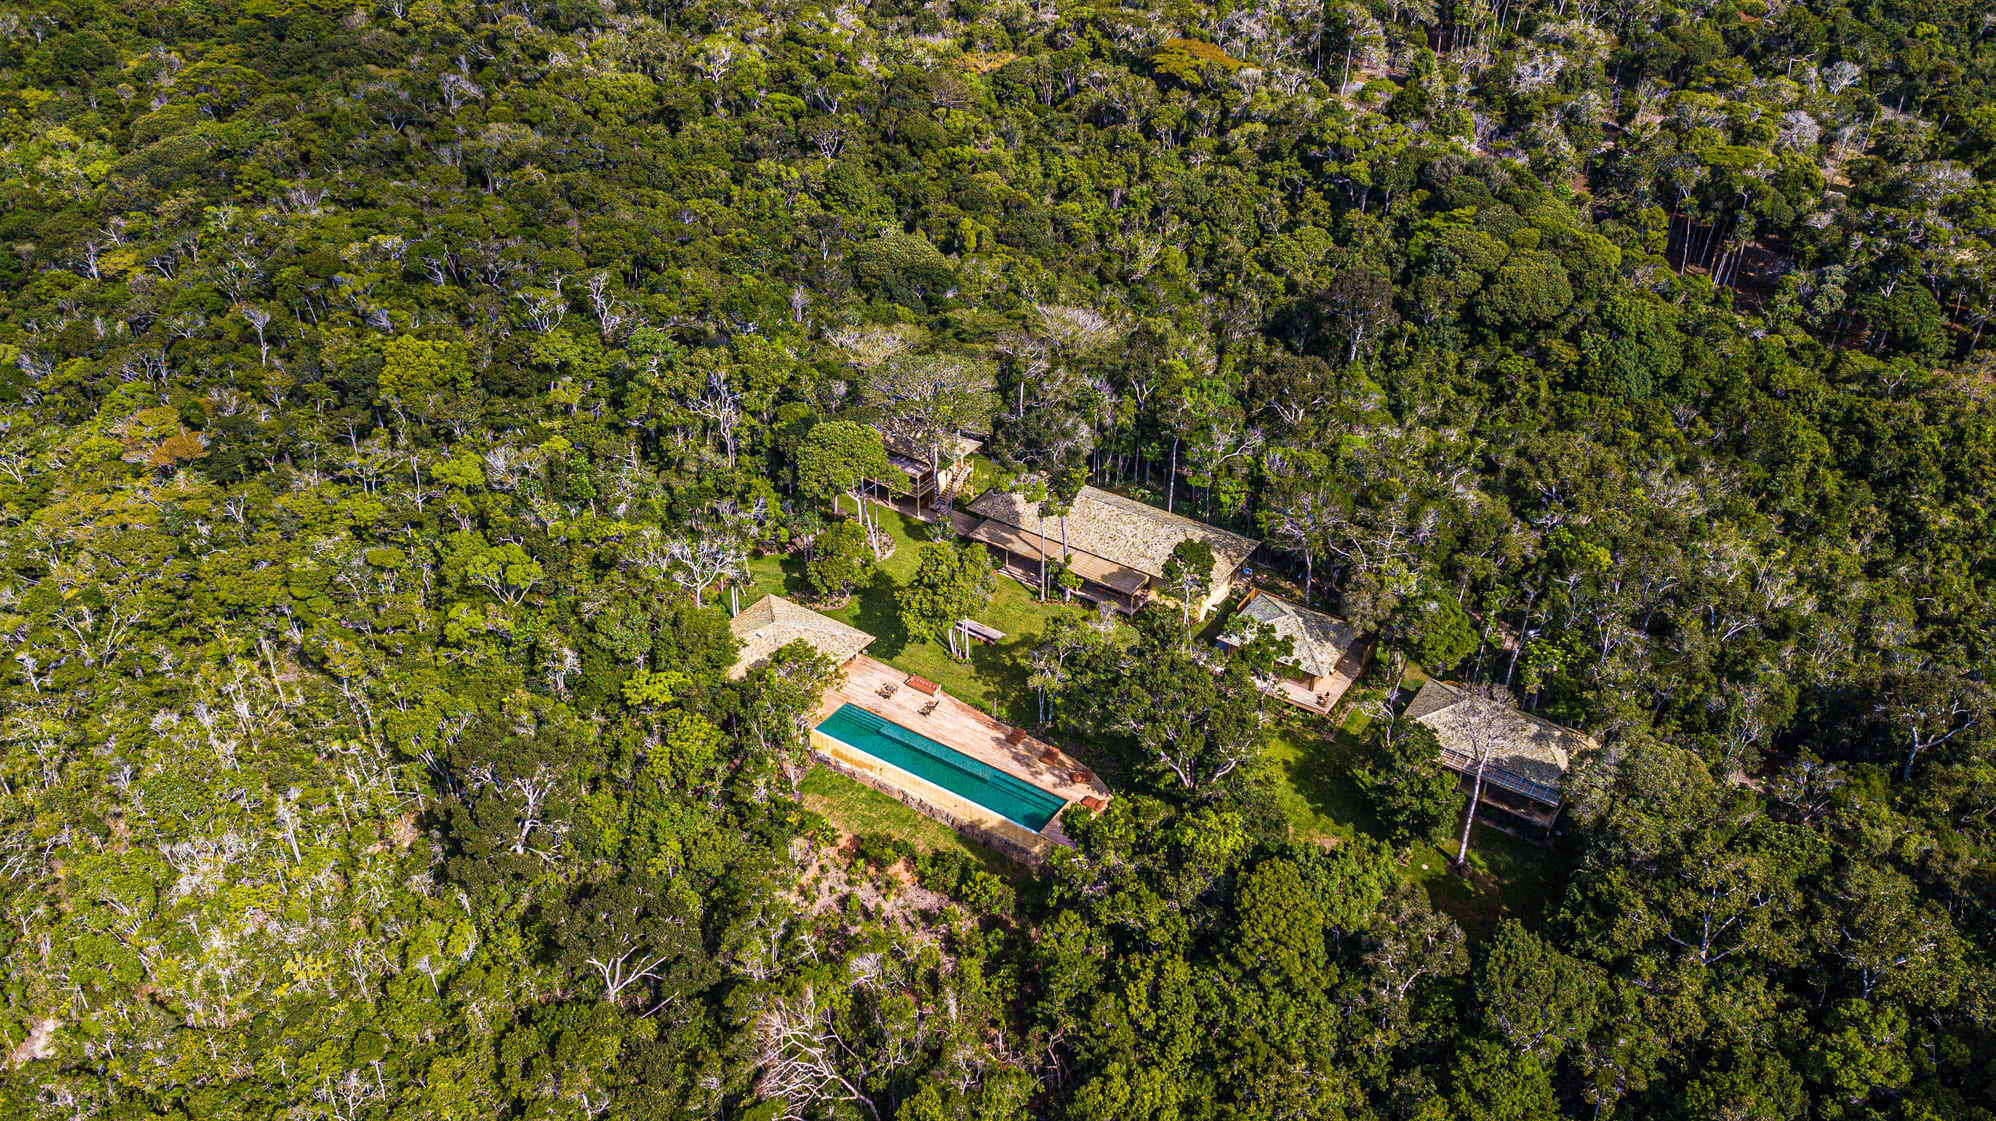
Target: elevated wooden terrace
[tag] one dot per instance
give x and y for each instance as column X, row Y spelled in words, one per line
column 1329, row 689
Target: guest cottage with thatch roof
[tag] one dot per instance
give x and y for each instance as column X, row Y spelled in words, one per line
column 772, row 622
column 1528, row 756
column 1328, row 656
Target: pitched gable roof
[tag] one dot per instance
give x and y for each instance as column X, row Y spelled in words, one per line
column 1322, row 641
column 1531, row 755
column 1120, row 530
column 955, row 447
column 772, row 622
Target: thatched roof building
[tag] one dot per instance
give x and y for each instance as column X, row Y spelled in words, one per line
column 1118, row 544
column 917, row 451
column 1329, row 652
column 772, row 622
column 1321, row 641
column 1528, row 756
column 926, row 483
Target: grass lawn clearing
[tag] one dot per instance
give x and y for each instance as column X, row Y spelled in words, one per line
column 1509, row 877
column 1312, row 788
column 994, row 678
column 857, row 808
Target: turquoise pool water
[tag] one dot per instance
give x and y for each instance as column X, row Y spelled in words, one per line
column 1002, row 794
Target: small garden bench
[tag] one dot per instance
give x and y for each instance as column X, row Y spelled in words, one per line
column 989, row 636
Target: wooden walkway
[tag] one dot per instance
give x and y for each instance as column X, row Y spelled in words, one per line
column 955, row 724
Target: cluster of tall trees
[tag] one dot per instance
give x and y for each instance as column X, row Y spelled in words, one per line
column 391, row 396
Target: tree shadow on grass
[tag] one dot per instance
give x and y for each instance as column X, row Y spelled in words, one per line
column 1017, row 874
column 1004, row 671
column 1320, row 771
column 874, row 611
column 1509, row 877
column 780, row 574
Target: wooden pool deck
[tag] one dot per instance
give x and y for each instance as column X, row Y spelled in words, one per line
column 965, row 728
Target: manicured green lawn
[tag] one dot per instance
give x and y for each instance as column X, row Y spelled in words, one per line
column 858, row 808
column 1309, row 772
column 995, row 677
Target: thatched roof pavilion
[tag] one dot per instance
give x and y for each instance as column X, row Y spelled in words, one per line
column 1530, row 756
column 772, row 622
column 1329, row 653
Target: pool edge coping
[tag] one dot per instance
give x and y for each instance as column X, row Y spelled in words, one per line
column 1052, row 818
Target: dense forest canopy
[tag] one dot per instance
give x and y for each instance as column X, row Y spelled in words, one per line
column 394, row 395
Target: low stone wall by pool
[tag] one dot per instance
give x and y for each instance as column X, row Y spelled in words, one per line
column 930, row 800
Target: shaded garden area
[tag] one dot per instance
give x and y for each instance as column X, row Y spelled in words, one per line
column 994, row 678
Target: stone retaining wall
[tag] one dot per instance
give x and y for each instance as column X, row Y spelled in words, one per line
column 930, row 800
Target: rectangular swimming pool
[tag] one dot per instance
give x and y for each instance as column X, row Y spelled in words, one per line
column 1009, row 797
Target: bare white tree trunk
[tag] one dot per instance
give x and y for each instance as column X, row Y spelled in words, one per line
column 1469, row 818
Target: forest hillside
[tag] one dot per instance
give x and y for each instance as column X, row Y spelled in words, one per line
column 398, row 398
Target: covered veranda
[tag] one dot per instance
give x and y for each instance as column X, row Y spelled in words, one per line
column 1024, row 556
